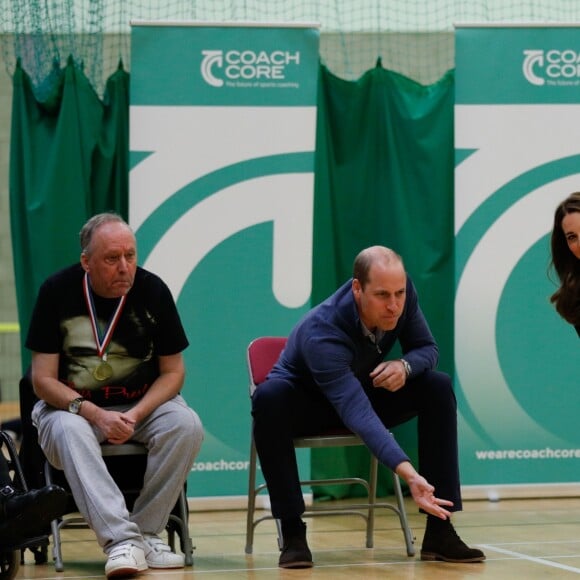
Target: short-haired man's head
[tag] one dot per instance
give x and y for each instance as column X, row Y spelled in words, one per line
column 93, row 224
column 369, row 256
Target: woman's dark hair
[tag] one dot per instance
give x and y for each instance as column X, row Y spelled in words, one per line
column 566, row 265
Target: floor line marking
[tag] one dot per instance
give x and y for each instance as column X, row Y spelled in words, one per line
column 531, row 558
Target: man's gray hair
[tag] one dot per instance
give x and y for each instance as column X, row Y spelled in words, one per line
column 93, row 224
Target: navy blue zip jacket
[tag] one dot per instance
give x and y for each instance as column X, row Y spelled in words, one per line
column 327, row 350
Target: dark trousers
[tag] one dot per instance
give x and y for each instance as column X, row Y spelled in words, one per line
column 282, row 411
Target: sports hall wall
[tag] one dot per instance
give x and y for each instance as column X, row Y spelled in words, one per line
column 414, row 39
column 422, row 52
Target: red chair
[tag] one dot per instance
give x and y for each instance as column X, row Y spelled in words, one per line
column 262, row 354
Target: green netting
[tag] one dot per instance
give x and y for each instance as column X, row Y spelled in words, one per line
column 412, row 37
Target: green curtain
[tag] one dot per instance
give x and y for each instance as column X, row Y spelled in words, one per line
column 68, row 160
column 384, row 175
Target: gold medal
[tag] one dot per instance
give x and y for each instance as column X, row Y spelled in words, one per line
column 103, row 371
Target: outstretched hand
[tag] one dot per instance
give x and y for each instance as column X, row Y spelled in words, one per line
column 423, row 495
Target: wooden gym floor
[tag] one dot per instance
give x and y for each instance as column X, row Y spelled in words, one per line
column 527, row 539
column 522, row 538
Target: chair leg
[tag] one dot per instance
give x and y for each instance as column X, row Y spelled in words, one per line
column 179, row 523
column 56, row 546
column 54, row 528
column 251, row 498
column 409, row 539
column 186, row 545
column 280, row 538
column 372, row 500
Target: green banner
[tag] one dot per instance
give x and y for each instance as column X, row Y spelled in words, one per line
column 222, row 136
column 517, row 156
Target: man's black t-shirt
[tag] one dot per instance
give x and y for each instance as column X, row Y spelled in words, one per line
column 149, row 326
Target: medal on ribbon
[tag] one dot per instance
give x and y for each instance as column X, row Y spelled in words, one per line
column 103, row 370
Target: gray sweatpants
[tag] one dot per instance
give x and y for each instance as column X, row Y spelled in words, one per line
column 173, row 434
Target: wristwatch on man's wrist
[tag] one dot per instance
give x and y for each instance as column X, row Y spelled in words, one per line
column 407, row 367
column 74, row 406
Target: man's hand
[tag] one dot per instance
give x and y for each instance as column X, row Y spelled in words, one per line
column 423, row 495
column 423, row 492
column 390, row 375
column 117, row 427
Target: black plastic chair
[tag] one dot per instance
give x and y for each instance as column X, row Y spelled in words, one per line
column 126, row 463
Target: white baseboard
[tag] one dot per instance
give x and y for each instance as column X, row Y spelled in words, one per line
column 232, row 502
column 468, row 492
column 520, row 491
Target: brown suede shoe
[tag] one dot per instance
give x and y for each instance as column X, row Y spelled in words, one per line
column 441, row 542
column 295, row 550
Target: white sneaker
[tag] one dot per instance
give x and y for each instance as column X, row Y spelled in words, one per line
column 161, row 555
column 125, row 560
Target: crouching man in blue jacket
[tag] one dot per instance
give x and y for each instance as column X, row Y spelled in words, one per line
column 335, row 371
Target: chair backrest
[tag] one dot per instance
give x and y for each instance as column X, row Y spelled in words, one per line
column 262, row 354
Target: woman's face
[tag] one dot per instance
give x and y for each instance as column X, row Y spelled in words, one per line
column 571, row 229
